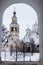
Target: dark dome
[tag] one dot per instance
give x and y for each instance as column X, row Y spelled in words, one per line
column 14, row 12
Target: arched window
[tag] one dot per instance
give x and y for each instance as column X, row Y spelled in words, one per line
column 28, row 23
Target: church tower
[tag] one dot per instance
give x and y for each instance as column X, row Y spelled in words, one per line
column 35, row 28
column 14, row 26
column 14, row 31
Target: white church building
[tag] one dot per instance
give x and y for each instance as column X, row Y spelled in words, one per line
column 34, row 34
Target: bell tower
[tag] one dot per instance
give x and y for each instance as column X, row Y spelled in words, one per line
column 14, row 29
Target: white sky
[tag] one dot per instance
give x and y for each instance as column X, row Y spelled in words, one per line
column 26, row 17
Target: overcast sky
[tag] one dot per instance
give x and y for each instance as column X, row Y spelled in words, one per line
column 26, row 17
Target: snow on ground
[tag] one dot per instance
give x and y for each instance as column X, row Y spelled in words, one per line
column 5, row 56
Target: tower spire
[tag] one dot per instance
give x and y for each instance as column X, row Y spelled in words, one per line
column 14, row 13
column 14, row 18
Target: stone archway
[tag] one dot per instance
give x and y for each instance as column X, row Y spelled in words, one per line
column 37, row 5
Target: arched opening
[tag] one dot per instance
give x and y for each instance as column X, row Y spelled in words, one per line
column 28, row 21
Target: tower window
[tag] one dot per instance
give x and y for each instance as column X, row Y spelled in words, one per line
column 12, row 28
column 15, row 28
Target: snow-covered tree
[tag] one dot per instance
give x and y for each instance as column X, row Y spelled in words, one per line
column 4, row 35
